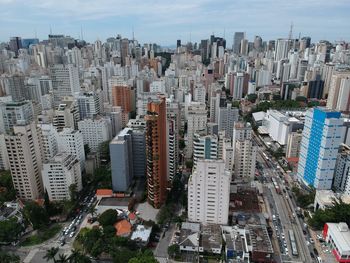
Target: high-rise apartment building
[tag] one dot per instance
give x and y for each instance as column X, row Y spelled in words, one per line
column 24, row 155
column 95, row 132
column 16, row 87
column 89, row 104
column 72, row 142
column 48, row 136
column 204, row 147
column 293, row 144
column 59, row 173
column 209, row 192
column 322, row 136
column 15, row 113
column 66, row 115
column 156, row 152
column 65, row 81
column 15, row 44
column 173, row 125
column 244, row 151
column 196, row 122
column 227, row 117
column 338, row 93
column 341, row 181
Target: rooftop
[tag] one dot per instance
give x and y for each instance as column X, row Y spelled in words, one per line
column 141, row 233
column 341, row 235
column 211, row 237
column 123, row 227
column 260, row 239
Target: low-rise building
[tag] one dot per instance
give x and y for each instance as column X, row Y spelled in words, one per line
column 337, row 235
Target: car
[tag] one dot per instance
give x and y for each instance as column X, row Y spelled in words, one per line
column 286, row 250
column 315, row 251
column 72, row 234
column 62, row 243
column 312, row 255
column 285, row 244
column 312, row 241
column 308, row 243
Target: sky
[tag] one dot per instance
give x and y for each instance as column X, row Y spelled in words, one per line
column 164, row 21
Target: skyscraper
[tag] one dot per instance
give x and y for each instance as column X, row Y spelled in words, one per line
column 156, row 152
column 282, row 48
column 15, row 44
column 238, row 37
column 16, row 87
column 322, row 136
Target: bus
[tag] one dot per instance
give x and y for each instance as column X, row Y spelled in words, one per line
column 293, row 244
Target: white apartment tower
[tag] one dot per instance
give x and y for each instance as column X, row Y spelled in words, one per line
column 72, row 142
column 244, row 151
column 59, row 173
column 209, row 192
column 95, row 132
column 204, row 147
column 24, row 155
column 48, row 136
column 196, row 121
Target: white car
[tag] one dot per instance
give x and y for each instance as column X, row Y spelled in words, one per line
column 72, row 234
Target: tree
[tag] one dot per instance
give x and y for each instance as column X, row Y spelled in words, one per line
column 62, row 258
column 108, row 217
column 88, row 238
column 301, row 99
column 77, row 257
column 8, row 258
column 10, row 230
column 92, row 210
column 8, row 192
column 36, row 215
column 109, row 231
column 173, row 250
column 73, row 193
column 189, row 164
column 104, row 151
column 145, row 257
column 252, row 97
column 51, row 253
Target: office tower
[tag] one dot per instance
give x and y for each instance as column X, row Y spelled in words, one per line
column 204, row 147
column 24, row 156
column 227, row 117
column 293, row 144
column 15, row 113
column 258, row 43
column 15, row 44
column 244, row 151
column 48, row 138
column 228, row 154
column 173, row 125
column 66, row 115
column 205, row 50
column 156, row 152
column 16, row 87
column 59, row 173
column 116, row 117
column 124, row 50
column 138, row 127
column 238, row 37
column 342, row 168
column 239, row 85
column 122, row 160
column 327, row 74
column 72, row 142
column 244, row 47
column 339, row 82
column 178, row 43
column 209, row 192
column 322, row 136
column 282, row 48
column 315, row 88
column 89, row 104
column 95, row 131
column 196, row 122
column 65, row 81
column 122, row 97
column 307, row 41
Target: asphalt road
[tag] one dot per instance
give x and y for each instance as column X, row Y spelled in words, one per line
column 284, row 210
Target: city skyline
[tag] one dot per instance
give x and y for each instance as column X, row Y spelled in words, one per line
column 160, row 22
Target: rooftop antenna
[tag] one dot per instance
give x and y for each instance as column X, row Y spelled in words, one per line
column 133, row 35
column 291, row 31
column 81, row 32
column 50, row 30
